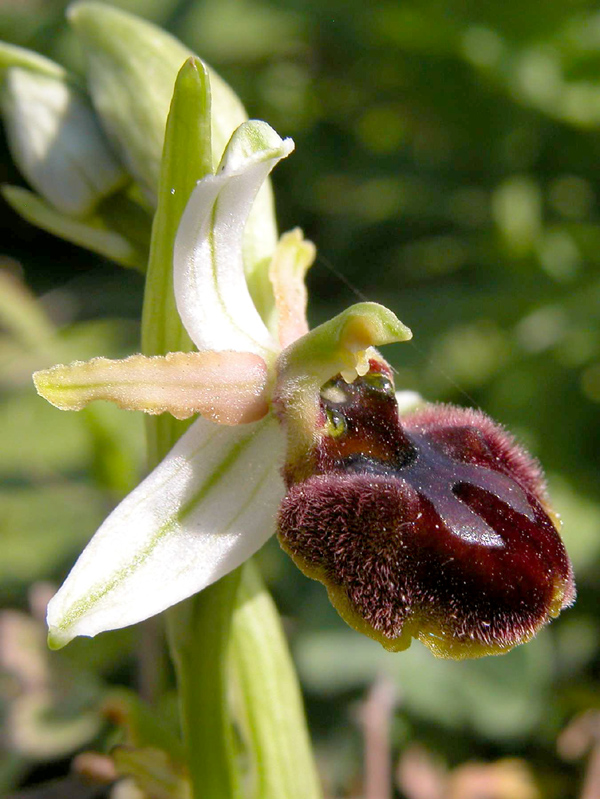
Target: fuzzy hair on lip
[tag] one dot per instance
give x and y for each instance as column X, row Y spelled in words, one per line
column 435, row 526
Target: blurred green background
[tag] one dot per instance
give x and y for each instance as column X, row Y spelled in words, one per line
column 447, row 165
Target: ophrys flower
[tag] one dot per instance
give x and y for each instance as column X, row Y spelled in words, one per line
column 436, row 527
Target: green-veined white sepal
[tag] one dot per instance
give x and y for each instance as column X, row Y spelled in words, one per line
column 206, row 508
column 210, row 289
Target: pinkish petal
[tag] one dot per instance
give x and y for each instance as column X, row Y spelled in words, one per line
column 226, row 387
column 291, row 260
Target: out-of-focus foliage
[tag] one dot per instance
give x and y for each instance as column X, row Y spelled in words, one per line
column 446, row 165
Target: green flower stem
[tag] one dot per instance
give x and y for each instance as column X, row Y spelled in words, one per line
column 271, row 709
column 199, row 637
column 198, row 629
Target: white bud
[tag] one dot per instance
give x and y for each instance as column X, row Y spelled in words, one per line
column 57, row 143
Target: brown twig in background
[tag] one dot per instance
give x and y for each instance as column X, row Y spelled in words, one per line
column 420, row 775
column 580, row 736
column 150, row 660
column 376, row 716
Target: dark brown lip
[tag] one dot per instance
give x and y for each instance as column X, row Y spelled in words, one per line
column 435, row 523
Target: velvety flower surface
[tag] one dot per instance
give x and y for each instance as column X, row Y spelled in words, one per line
column 434, row 525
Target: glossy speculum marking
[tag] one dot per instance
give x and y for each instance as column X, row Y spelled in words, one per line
column 433, row 526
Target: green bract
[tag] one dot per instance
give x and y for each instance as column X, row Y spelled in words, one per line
column 131, row 71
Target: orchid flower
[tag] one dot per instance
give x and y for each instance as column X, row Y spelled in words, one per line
column 434, row 525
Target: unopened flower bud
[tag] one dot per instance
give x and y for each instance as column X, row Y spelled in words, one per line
column 131, row 71
column 11, row 55
column 57, row 143
column 435, row 526
column 131, row 67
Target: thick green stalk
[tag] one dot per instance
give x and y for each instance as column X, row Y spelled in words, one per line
column 271, row 706
column 199, row 635
column 198, row 628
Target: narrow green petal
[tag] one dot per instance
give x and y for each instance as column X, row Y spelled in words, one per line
column 291, row 261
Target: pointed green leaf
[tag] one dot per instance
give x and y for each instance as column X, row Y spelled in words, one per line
column 188, row 131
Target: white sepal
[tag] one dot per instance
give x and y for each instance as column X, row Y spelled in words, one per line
column 202, row 512
column 210, row 288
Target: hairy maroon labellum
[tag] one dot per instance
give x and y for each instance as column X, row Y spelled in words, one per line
column 434, row 526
